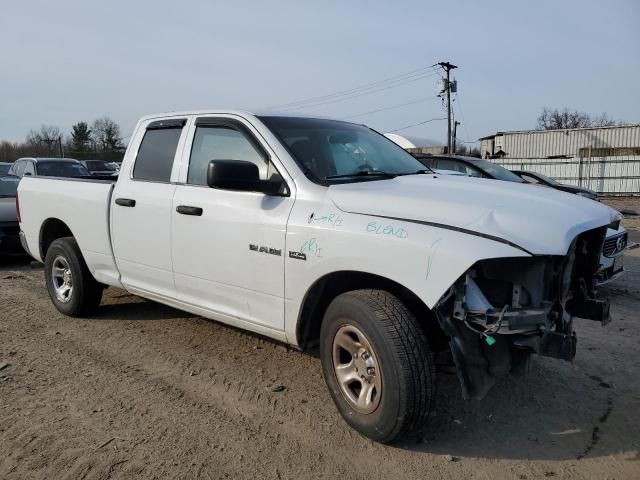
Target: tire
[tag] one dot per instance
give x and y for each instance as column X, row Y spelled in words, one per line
column 394, row 399
column 84, row 293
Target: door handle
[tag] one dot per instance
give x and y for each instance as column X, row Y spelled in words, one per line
column 126, row 202
column 188, row 210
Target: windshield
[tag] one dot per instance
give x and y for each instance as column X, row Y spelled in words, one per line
column 496, row 171
column 62, row 169
column 331, row 151
column 8, row 186
column 98, row 165
column 4, row 168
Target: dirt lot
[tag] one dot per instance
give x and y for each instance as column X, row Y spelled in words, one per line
column 142, row 390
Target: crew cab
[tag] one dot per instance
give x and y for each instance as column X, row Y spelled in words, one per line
column 322, row 232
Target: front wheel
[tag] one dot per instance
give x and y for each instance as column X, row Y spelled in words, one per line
column 72, row 288
column 377, row 364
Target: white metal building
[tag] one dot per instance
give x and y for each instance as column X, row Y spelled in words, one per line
column 557, row 143
column 604, row 159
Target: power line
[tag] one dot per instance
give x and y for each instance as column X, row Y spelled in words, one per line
column 360, row 94
column 464, row 122
column 384, row 82
column 416, row 124
column 389, row 108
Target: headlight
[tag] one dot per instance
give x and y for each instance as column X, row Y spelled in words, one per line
column 614, row 215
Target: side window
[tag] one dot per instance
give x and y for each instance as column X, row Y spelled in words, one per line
column 428, row 162
column 473, row 172
column 446, row 164
column 530, row 179
column 155, row 155
column 221, row 143
column 18, row 168
column 29, row 169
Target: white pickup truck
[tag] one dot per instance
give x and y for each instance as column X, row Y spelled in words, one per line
column 322, row 232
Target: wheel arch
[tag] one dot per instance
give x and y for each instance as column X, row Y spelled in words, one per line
column 326, row 288
column 51, row 230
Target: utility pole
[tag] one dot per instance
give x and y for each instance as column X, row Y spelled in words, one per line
column 60, row 145
column 447, row 67
column 455, row 130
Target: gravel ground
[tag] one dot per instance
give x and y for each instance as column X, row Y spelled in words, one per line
column 142, row 390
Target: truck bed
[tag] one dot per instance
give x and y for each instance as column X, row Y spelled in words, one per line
column 83, row 206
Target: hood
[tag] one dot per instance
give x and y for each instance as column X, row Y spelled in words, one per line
column 541, row 221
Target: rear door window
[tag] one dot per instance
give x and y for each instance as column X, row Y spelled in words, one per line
column 157, row 151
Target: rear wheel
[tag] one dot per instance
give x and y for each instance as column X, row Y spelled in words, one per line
column 377, row 364
column 72, row 288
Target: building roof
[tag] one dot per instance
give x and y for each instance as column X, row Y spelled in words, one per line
column 516, row 132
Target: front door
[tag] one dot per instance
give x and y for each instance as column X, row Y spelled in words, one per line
column 229, row 246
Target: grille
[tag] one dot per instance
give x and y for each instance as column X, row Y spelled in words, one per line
column 615, row 245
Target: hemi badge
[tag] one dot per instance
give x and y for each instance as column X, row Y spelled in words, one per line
column 297, row 255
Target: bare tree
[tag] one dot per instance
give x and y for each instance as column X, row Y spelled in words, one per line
column 45, row 139
column 604, row 120
column 106, row 133
column 552, row 119
column 468, row 151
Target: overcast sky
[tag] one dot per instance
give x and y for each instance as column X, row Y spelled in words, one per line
column 68, row 61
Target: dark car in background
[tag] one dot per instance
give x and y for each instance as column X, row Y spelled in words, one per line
column 9, row 228
column 5, row 167
column 469, row 166
column 540, row 179
column 49, row 167
column 101, row 167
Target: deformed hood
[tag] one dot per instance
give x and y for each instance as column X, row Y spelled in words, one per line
column 541, row 220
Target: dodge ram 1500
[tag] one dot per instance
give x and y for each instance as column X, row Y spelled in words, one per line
column 322, row 232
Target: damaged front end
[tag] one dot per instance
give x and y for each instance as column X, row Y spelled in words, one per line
column 502, row 310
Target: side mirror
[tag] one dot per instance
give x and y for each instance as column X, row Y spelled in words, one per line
column 242, row 175
column 27, row 174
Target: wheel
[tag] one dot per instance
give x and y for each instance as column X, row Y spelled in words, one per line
column 377, row 364
column 72, row 288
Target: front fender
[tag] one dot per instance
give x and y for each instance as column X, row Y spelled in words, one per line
column 425, row 259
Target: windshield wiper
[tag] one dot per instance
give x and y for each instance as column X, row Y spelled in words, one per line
column 419, row 172
column 363, row 173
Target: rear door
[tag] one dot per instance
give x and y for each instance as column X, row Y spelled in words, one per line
column 229, row 246
column 141, row 208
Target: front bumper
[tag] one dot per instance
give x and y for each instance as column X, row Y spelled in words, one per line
column 504, row 309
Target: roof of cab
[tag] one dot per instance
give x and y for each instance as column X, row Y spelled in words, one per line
column 240, row 113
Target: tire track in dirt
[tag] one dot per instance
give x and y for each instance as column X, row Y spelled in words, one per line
column 168, row 389
column 174, row 395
